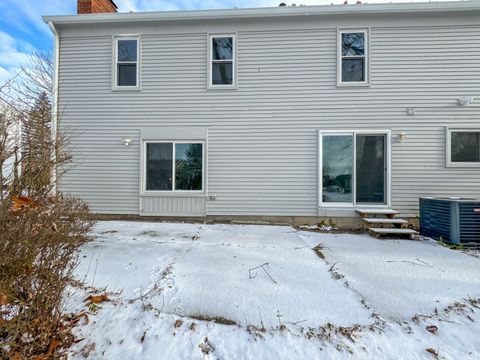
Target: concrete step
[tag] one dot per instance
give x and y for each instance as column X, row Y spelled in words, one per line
column 390, row 213
column 392, row 232
column 385, row 221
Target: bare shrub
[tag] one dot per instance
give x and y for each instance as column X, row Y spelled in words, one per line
column 38, row 254
column 41, row 230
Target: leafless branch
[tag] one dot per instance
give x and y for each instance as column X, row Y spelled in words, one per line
column 252, row 275
column 143, row 296
column 422, row 263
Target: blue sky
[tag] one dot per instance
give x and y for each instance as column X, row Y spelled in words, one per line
column 22, row 29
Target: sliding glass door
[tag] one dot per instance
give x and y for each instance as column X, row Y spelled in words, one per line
column 354, row 168
column 337, row 168
column 371, row 169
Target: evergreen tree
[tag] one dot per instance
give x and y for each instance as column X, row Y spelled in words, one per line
column 36, row 146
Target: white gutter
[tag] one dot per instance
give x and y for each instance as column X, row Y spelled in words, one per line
column 270, row 12
column 56, row 61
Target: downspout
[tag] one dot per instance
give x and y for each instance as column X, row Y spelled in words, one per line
column 56, row 58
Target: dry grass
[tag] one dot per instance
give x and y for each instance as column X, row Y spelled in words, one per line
column 215, row 319
column 318, row 251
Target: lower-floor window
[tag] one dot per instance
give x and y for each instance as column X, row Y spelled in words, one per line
column 464, row 147
column 174, row 166
column 353, row 167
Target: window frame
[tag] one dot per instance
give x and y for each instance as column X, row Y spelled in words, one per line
column 115, row 63
column 144, row 190
column 210, row 61
column 448, row 152
column 388, row 177
column 366, row 57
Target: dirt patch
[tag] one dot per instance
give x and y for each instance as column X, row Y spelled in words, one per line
column 149, row 233
column 109, row 232
column 318, row 251
column 215, row 319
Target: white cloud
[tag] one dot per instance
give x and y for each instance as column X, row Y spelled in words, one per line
column 127, row 5
column 26, row 15
column 13, row 55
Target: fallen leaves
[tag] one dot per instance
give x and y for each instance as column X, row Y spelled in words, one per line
column 54, row 344
column 432, row 328
column 178, row 323
column 142, row 339
column 206, row 347
column 97, row 299
column 22, row 203
column 74, row 319
column 3, row 299
column 432, row 351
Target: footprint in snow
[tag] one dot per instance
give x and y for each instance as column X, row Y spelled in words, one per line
column 130, row 267
column 177, row 309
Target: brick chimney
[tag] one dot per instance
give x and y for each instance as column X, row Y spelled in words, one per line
column 96, row 6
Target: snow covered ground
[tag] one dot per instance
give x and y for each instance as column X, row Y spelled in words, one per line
column 195, row 291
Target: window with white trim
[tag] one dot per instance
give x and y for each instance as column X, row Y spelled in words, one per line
column 126, row 62
column 174, row 166
column 463, row 147
column 352, row 66
column 221, row 65
column 354, row 167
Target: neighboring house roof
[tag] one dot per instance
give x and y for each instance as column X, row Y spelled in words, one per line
column 269, row 12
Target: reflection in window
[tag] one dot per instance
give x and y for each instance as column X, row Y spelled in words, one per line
column 186, row 172
column 465, row 146
column 337, row 152
column 353, row 44
column 353, row 57
column 222, row 74
column 222, row 60
column 353, row 70
column 371, row 170
column 127, row 62
column 159, row 166
column 188, row 166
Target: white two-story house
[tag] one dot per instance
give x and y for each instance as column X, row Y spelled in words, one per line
column 295, row 113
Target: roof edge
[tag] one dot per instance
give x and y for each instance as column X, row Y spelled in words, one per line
column 268, row 12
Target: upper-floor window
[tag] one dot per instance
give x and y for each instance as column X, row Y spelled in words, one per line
column 463, row 147
column 352, row 66
column 127, row 62
column 221, row 64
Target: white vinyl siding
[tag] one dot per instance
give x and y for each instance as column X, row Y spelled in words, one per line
column 263, row 138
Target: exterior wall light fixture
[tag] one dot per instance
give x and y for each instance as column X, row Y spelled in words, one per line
column 402, row 137
column 465, row 100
